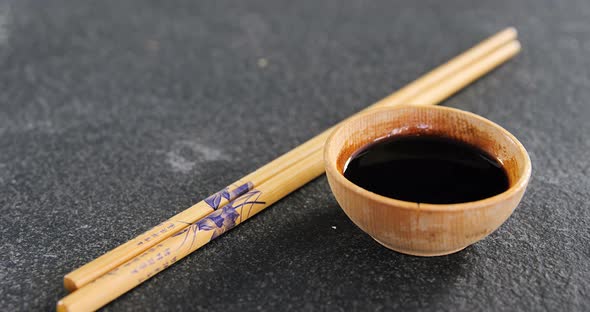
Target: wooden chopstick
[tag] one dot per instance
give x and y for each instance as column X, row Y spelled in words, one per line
column 165, row 253
column 457, row 82
column 153, row 236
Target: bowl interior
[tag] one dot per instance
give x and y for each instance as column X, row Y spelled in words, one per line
column 429, row 120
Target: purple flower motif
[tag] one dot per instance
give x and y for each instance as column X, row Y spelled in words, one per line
column 225, row 194
column 181, row 232
column 225, row 218
column 241, row 190
column 219, row 221
column 215, row 199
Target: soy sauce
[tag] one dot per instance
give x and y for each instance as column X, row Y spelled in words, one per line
column 426, row 169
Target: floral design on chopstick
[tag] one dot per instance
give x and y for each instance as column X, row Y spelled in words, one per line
column 222, row 219
column 215, row 199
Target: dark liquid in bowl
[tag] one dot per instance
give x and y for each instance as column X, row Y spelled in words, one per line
column 426, row 169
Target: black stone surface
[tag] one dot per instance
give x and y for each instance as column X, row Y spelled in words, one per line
column 115, row 115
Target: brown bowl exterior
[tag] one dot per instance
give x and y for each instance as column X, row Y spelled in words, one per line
column 425, row 229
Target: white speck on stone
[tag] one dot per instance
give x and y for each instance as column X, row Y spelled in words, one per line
column 262, row 62
column 208, row 153
column 185, row 155
column 179, row 163
column 333, row 227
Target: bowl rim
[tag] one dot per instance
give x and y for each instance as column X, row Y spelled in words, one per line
column 330, row 163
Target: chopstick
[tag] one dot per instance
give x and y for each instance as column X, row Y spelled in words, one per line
column 179, row 222
column 165, row 253
column 469, row 74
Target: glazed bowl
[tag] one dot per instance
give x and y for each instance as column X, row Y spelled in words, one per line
column 417, row 228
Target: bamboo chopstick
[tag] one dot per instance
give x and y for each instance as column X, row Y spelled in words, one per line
column 142, row 267
column 153, row 236
column 469, row 74
column 165, row 253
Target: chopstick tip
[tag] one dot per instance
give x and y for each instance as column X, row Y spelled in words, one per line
column 516, row 44
column 69, row 284
column 61, row 307
column 512, row 30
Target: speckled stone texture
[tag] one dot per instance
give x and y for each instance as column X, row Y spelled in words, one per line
column 115, row 115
